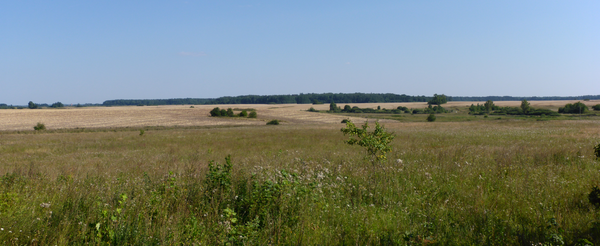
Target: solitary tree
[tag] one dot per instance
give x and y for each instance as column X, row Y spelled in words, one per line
column 252, row 114
column 377, row 142
column 32, row 105
column 333, row 107
column 525, row 106
column 489, row 105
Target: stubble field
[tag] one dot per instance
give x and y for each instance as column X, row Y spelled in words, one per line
column 514, row 182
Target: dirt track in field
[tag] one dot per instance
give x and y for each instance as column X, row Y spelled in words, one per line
column 183, row 115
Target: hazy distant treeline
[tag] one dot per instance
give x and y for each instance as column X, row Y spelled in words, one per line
column 280, row 99
column 509, row 98
column 325, row 98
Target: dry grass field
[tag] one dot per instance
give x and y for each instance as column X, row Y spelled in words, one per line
column 183, row 115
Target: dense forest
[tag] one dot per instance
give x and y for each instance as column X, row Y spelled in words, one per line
column 280, row 99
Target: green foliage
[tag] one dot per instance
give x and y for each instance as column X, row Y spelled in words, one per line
column 489, row 106
column 273, row 122
column 575, row 108
column 345, row 121
column 525, row 106
column 142, row 132
column 215, row 112
column 230, row 112
column 597, row 151
column 333, row 107
column 32, row 105
column 223, row 112
column 594, row 196
column 311, row 109
column 596, row 107
column 57, row 105
column 252, row 114
column 39, row 127
column 218, row 179
column 244, row 113
column 431, row 118
column 377, row 142
column 438, row 99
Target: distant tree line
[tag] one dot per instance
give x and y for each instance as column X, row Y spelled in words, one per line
column 217, row 112
column 509, row 98
column 151, row 102
column 313, row 98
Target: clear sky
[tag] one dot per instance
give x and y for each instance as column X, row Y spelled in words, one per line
column 91, row 51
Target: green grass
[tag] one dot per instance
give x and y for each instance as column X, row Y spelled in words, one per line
column 487, row 182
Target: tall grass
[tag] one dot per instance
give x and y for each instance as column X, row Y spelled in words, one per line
column 468, row 183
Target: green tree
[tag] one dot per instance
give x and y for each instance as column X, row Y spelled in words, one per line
column 230, row 112
column 489, row 105
column 438, row 99
column 57, row 105
column 252, row 114
column 243, row 113
column 596, row 107
column 575, row 108
column 215, row 112
column 377, row 142
column 333, row 107
column 525, row 106
column 32, row 105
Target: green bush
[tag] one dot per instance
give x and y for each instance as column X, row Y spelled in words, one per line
column 376, row 142
column 244, row 113
column 345, row 121
column 273, row 122
column 252, row 114
column 594, row 196
column 215, row 112
column 596, row 107
column 575, row 108
column 39, row 127
column 431, row 118
column 311, row 109
column 32, row 105
column 57, row 105
column 230, row 112
column 597, row 151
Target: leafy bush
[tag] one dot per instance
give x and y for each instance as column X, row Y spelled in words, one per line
column 39, row 127
column 431, row 118
column 32, row 105
column 223, row 112
column 596, row 107
column 230, row 112
column 377, row 143
column 273, row 122
column 215, row 112
column 597, row 151
column 345, row 121
column 576, row 108
column 252, row 114
column 244, row 113
column 311, row 109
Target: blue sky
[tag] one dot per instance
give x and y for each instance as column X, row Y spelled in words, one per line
column 91, row 51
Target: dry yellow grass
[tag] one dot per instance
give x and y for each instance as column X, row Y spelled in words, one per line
column 183, row 115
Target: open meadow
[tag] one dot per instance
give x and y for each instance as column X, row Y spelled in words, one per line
column 482, row 182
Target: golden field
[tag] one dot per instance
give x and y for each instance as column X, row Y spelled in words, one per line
column 183, row 115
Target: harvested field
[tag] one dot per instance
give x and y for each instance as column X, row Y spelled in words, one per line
column 183, row 115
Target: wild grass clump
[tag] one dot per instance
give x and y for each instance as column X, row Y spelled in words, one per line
column 39, row 127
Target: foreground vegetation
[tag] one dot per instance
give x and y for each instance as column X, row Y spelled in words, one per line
column 467, row 183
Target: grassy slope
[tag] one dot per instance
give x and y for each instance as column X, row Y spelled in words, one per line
column 486, row 182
